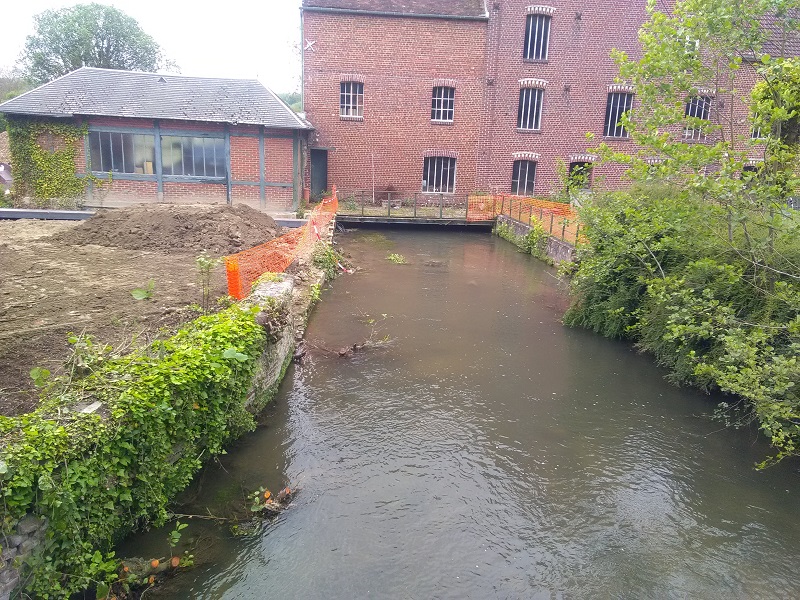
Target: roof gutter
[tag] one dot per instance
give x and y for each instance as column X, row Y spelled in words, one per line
column 382, row 13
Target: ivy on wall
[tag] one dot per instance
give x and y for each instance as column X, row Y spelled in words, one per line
column 165, row 409
column 43, row 157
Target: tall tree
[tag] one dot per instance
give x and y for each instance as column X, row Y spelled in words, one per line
column 88, row 35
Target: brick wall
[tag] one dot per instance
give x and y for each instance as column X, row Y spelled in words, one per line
column 399, row 61
column 245, row 163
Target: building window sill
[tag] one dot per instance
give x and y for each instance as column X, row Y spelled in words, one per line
column 349, row 118
column 441, row 122
column 536, row 61
column 537, row 131
column 614, row 138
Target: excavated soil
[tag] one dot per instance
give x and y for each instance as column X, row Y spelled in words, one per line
column 62, row 277
column 217, row 229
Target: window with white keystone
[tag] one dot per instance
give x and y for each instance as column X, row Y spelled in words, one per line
column 523, row 179
column 697, row 107
column 537, row 37
column 618, row 104
column 529, row 114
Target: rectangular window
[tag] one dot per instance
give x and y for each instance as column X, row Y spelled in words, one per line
column 618, row 104
column 580, row 175
column 698, row 107
column 523, row 178
column 121, row 152
column 351, row 99
column 194, row 156
column 529, row 114
column 537, row 37
column 443, row 103
column 439, row 174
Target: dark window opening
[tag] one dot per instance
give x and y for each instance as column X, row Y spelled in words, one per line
column 443, row 103
column 439, row 174
column 194, row 156
column 121, row 152
column 618, row 104
column 529, row 112
column 580, row 175
column 523, row 179
column 351, row 99
column 537, row 37
column 697, row 107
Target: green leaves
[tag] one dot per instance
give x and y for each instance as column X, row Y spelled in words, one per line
column 144, row 293
column 165, row 406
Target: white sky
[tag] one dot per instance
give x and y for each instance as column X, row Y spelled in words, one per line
column 232, row 38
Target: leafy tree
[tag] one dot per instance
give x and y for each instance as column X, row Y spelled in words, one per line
column 88, row 35
column 293, row 99
column 699, row 262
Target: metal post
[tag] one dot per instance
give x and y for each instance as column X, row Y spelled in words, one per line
column 415, row 205
column 577, row 232
column 362, row 203
column 551, row 223
column 502, row 205
column 466, row 212
column 530, row 214
column 563, row 229
column 389, row 203
column 494, row 206
column 441, row 206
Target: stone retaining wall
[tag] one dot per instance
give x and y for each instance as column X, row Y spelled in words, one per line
column 557, row 249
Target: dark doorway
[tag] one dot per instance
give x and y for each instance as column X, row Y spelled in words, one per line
column 319, row 172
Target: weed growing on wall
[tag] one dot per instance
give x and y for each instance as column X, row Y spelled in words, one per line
column 43, row 160
column 165, row 409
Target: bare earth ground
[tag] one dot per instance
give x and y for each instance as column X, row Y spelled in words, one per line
column 56, row 278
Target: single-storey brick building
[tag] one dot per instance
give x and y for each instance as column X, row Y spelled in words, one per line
column 174, row 138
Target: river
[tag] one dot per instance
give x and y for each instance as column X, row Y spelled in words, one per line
column 480, row 449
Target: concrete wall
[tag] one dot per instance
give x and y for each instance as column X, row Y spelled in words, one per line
column 557, row 250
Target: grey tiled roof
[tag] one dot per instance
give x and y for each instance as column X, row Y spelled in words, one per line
column 442, row 8
column 106, row 92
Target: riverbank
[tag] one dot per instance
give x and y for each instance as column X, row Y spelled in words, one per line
column 109, row 447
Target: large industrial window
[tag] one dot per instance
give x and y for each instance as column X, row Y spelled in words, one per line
column 195, row 156
column 443, row 103
column 351, row 99
column 439, row 174
column 537, row 37
column 618, row 104
column 697, row 107
column 121, row 152
column 523, row 178
column 529, row 114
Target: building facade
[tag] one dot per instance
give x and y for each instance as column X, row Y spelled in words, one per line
column 169, row 138
column 462, row 96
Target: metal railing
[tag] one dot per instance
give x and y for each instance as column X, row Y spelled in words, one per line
column 394, row 204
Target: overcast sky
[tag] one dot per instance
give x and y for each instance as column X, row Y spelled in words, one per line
column 232, row 38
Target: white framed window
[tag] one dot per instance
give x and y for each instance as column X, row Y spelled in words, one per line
column 351, row 99
column 618, row 104
column 529, row 112
column 443, row 103
column 537, row 37
column 523, row 178
column 697, row 107
column 439, row 174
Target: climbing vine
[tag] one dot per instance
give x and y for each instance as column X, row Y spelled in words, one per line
column 43, row 160
column 165, row 409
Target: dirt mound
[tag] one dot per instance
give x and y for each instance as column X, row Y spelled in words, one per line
column 189, row 229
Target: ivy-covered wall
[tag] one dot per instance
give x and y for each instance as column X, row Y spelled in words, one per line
column 106, row 453
column 43, row 155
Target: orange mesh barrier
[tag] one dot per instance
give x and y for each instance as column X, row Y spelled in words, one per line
column 275, row 256
column 558, row 219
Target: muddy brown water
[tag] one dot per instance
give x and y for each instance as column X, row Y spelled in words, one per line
column 486, row 451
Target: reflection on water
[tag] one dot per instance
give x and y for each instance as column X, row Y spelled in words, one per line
column 487, row 452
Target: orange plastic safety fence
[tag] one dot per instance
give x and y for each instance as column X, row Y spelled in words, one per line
column 558, row 219
column 275, row 256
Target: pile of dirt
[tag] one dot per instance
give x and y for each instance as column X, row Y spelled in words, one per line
column 186, row 229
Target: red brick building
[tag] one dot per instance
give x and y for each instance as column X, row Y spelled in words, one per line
column 460, row 96
column 175, row 139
